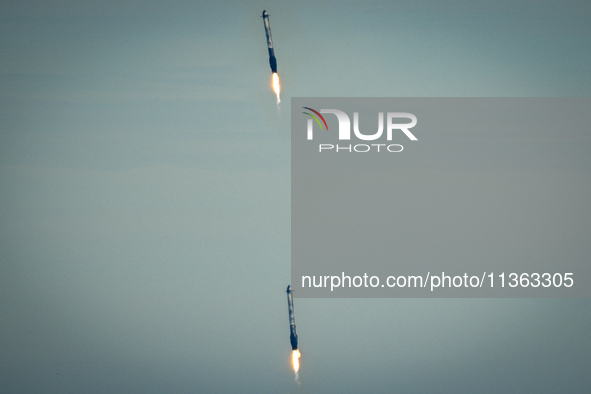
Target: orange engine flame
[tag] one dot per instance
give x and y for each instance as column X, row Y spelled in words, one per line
column 295, row 359
column 276, row 87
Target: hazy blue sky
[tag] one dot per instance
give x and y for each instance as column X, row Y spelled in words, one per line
column 145, row 196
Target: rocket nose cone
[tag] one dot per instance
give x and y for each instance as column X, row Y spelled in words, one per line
column 288, row 288
column 264, row 13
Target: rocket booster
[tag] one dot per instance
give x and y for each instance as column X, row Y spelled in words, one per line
column 293, row 337
column 272, row 60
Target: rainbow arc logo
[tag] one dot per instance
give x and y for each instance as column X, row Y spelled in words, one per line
column 315, row 118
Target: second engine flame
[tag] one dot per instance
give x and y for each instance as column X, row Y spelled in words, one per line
column 276, row 87
column 295, row 359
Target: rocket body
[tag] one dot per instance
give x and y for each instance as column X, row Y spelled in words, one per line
column 293, row 337
column 272, row 60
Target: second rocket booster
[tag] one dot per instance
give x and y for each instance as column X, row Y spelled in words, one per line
column 293, row 337
column 272, row 60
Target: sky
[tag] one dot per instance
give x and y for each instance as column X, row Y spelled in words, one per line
column 145, row 196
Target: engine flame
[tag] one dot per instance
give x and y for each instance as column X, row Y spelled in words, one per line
column 276, row 87
column 295, row 359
